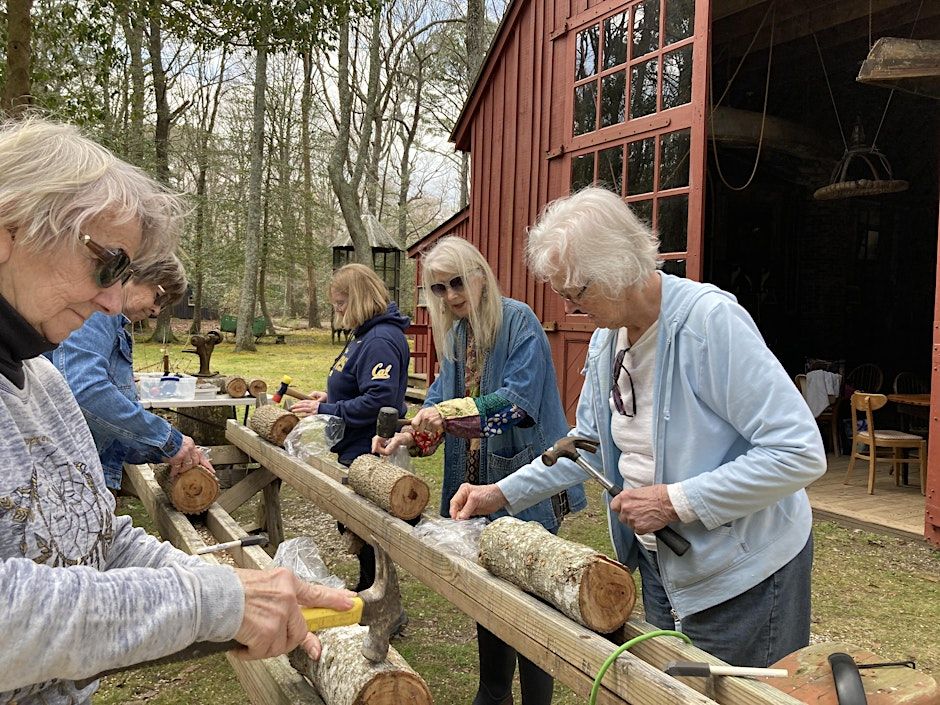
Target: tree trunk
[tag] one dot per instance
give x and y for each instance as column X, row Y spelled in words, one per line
column 585, row 585
column 344, row 677
column 244, row 340
column 476, row 19
column 17, row 90
column 192, row 491
column 408, row 138
column 161, row 133
column 132, row 22
column 272, row 423
column 397, row 491
column 205, row 424
column 313, row 312
column 162, row 332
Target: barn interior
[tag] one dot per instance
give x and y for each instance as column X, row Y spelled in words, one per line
column 829, row 270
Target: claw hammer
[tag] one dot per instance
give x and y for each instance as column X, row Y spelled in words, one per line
column 377, row 607
column 568, row 447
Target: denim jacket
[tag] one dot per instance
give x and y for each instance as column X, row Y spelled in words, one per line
column 731, row 428
column 520, row 368
column 96, row 361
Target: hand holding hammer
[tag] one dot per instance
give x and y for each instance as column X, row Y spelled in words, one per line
column 568, row 447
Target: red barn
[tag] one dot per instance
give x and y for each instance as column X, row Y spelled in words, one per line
column 719, row 121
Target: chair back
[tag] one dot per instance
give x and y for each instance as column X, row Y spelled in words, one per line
column 865, row 378
column 910, row 383
column 867, row 403
column 800, row 381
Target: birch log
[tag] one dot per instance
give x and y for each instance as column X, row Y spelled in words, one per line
column 581, row 583
column 344, row 677
column 272, row 423
column 192, row 491
column 399, row 492
column 235, row 387
column 257, row 387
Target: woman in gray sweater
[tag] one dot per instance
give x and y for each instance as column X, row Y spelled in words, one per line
column 72, row 217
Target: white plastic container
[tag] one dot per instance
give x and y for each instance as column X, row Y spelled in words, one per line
column 157, row 386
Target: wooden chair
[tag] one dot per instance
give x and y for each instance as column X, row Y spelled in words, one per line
column 828, row 416
column 865, row 378
column 914, row 419
column 875, row 439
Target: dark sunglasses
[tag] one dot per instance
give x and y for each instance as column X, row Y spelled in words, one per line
column 440, row 288
column 615, row 387
column 113, row 265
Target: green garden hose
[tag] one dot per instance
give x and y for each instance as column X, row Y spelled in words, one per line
column 628, row 645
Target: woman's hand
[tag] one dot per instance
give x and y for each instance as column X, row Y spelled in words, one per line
column 645, row 509
column 317, row 396
column 188, row 456
column 428, row 420
column 305, row 407
column 476, row 500
column 273, row 623
column 387, row 446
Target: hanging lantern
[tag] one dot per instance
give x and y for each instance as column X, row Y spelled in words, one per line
column 862, row 171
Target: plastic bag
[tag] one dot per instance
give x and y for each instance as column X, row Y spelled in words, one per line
column 314, row 436
column 461, row 538
column 302, row 556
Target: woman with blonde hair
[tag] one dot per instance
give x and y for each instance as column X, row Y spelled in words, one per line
column 369, row 373
column 495, row 406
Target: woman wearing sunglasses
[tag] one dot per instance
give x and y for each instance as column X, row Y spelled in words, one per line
column 84, row 591
column 700, row 423
column 97, row 362
column 495, row 406
column 369, row 373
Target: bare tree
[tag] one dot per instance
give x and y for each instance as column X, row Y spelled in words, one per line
column 17, row 93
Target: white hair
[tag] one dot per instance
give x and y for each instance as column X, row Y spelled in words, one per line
column 53, row 180
column 592, row 237
column 455, row 256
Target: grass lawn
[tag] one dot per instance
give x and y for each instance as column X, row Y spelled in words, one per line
column 877, row 592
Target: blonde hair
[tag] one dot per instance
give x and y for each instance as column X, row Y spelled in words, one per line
column 592, row 237
column 455, row 256
column 167, row 272
column 368, row 295
column 53, row 180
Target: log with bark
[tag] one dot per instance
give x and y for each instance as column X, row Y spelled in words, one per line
column 235, row 387
column 273, row 423
column 192, row 491
column 580, row 582
column 344, row 677
column 399, row 492
column 257, row 387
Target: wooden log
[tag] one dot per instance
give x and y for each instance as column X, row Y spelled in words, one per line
column 235, row 387
column 343, row 676
column 272, row 423
column 192, row 491
column 399, row 492
column 585, row 585
column 257, row 387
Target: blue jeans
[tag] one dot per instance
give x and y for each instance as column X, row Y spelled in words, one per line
column 756, row 628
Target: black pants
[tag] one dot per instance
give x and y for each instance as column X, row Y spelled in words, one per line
column 497, row 666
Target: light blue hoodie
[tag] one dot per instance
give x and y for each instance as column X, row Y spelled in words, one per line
column 732, row 428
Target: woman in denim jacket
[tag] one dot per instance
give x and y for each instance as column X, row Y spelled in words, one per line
column 700, row 423
column 97, row 362
column 496, row 407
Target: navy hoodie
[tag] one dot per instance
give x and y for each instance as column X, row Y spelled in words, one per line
column 370, row 372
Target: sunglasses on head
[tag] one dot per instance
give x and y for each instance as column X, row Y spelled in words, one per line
column 113, row 265
column 440, row 288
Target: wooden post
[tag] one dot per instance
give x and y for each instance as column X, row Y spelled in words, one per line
column 399, row 492
column 583, row 584
column 269, row 515
column 343, row 676
column 192, row 491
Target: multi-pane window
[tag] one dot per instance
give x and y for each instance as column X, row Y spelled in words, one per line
column 631, row 66
column 385, row 262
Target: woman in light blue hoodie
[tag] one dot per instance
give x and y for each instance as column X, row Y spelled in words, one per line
column 700, row 423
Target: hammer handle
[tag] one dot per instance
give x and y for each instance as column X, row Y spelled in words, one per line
column 198, row 650
column 296, row 394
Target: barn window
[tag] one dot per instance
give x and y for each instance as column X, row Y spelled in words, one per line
column 630, row 66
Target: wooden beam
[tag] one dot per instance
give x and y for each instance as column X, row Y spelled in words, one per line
column 243, row 490
column 227, row 455
column 911, row 65
column 270, row 681
column 562, row 647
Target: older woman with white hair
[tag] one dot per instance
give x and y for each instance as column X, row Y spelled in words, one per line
column 700, row 423
column 84, row 591
column 496, row 406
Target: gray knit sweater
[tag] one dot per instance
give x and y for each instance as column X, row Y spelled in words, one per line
column 83, row 590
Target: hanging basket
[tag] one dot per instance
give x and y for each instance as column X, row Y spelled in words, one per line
column 862, row 187
column 841, row 185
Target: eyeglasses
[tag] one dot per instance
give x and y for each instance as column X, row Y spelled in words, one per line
column 573, row 299
column 113, row 265
column 615, row 386
column 440, row 288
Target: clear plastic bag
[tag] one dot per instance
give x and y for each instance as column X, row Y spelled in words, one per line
column 460, row 538
column 314, row 436
column 302, row 556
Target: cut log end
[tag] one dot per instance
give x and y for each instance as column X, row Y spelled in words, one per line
column 273, row 423
column 409, row 497
column 394, row 688
column 607, row 596
column 235, row 387
column 192, row 491
column 256, row 387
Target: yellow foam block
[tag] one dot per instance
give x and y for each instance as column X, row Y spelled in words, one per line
column 323, row 618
